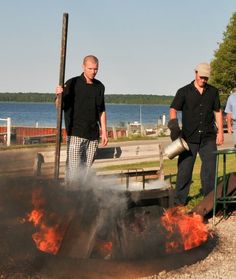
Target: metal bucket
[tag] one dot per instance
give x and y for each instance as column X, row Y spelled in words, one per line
column 175, row 148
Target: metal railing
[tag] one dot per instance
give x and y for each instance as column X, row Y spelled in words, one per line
column 8, row 134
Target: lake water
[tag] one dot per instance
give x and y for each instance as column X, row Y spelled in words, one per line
column 44, row 114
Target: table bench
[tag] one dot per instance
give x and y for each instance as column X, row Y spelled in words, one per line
column 117, row 154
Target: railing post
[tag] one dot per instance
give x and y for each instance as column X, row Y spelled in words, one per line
column 8, row 131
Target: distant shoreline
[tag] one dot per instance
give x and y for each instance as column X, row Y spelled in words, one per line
column 136, row 99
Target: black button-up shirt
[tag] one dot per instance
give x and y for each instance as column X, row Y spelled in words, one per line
column 198, row 118
column 82, row 104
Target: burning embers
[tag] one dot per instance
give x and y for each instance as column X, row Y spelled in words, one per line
column 49, row 229
column 184, row 231
column 97, row 217
column 96, row 224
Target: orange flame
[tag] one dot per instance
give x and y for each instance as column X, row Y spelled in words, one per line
column 107, row 246
column 35, row 216
column 103, row 248
column 184, row 231
column 48, row 237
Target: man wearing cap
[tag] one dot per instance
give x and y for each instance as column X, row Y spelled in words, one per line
column 230, row 109
column 202, row 129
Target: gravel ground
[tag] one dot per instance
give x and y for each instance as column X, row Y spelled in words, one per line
column 219, row 264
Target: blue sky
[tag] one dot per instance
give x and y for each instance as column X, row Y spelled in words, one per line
column 144, row 47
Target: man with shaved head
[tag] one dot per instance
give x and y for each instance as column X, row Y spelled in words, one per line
column 85, row 115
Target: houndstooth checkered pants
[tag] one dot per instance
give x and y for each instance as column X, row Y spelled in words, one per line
column 80, row 153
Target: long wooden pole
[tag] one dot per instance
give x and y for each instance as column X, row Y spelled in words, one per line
column 61, row 82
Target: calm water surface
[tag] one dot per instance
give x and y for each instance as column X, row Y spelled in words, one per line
column 44, row 114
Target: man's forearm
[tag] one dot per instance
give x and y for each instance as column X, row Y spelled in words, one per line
column 219, row 121
column 229, row 120
column 103, row 121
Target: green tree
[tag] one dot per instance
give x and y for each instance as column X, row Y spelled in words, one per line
column 224, row 63
column 112, row 98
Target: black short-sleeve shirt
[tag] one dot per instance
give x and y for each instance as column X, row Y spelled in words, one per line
column 198, row 118
column 82, row 104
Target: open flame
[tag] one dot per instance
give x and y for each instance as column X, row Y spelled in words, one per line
column 51, row 223
column 103, row 248
column 184, row 231
column 49, row 232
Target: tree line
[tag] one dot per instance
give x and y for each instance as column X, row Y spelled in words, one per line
column 110, row 98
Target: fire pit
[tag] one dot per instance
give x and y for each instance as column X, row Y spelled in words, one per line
column 125, row 241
